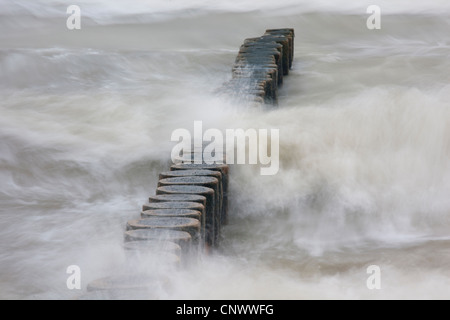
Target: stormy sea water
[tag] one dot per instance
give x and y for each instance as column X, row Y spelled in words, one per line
column 86, row 118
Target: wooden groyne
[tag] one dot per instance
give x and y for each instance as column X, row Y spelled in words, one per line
column 185, row 215
column 260, row 67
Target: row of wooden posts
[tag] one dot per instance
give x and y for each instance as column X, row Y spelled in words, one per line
column 260, row 67
column 189, row 208
column 186, row 214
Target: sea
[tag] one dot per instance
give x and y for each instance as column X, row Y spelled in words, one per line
column 359, row 208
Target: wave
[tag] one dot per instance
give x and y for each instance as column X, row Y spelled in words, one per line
column 103, row 11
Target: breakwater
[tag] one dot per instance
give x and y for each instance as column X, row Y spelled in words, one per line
column 184, row 217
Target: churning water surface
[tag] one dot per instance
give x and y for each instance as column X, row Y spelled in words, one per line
column 364, row 120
